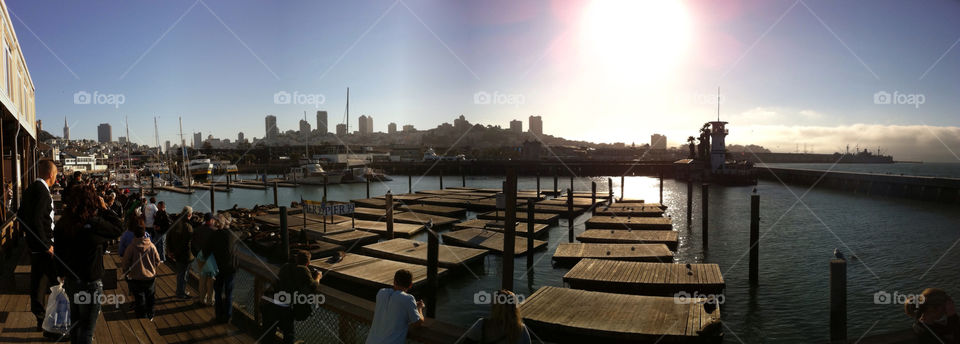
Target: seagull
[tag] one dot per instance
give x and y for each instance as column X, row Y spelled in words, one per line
column 837, row 253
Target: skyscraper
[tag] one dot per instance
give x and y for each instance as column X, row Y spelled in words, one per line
column 535, row 125
column 166, row 147
column 366, row 125
column 516, row 126
column 271, row 127
column 322, row 122
column 341, row 129
column 304, row 127
column 658, row 141
column 197, row 140
column 66, row 129
column 240, row 137
column 391, row 128
column 104, row 133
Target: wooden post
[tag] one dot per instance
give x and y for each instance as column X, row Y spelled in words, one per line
column 441, row 179
column 463, row 178
column 368, row 187
column 213, row 199
column 276, row 201
column 622, row 180
column 754, row 237
column 661, row 188
column 704, row 207
column 610, row 190
column 530, row 224
column 323, row 202
column 570, row 215
column 389, row 198
column 556, row 192
column 593, row 196
column 410, row 184
column 284, row 235
column 571, row 183
column 838, row 300
column 228, row 182
column 689, row 202
column 538, row 184
column 433, row 283
column 509, row 229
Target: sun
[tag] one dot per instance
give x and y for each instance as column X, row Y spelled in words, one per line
column 635, row 40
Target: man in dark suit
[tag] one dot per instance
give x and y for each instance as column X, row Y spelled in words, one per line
column 36, row 222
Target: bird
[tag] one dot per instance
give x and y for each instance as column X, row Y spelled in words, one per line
column 837, row 253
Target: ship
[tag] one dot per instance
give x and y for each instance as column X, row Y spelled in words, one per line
column 200, row 168
column 310, row 172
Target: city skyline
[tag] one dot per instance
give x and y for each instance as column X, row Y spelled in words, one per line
column 837, row 82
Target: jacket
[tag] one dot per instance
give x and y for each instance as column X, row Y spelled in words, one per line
column 141, row 259
column 36, row 205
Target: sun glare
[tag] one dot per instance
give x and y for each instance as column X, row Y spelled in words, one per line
column 634, row 40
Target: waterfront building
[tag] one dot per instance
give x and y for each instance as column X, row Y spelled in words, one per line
column 718, row 149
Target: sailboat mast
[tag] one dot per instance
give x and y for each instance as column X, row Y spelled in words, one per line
column 718, row 103
column 306, row 139
column 183, row 149
column 348, row 110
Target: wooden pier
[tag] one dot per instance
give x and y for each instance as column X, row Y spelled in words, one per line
column 378, row 203
column 629, row 222
column 415, row 252
column 497, row 226
column 579, row 316
column 400, row 230
column 372, row 214
column 616, row 236
column 435, row 210
column 663, row 279
column 370, row 271
column 343, row 236
column 547, row 219
column 488, row 239
column 633, row 211
column 569, row 254
column 171, row 188
column 422, row 219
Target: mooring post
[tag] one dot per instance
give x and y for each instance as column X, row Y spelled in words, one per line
column 530, row 209
column 284, row 235
column 609, row 190
column 689, row 202
column 704, row 207
column 570, row 215
column 276, row 201
column 323, row 202
column 571, row 182
column 463, row 178
column 838, row 300
column 661, row 188
column 593, row 196
column 213, row 199
column 410, row 184
column 441, row 179
column 556, row 192
column 389, row 199
column 228, row 181
column 538, row 184
column 433, row 283
column 622, row 180
column 754, row 238
column 509, row 229
column 368, row 187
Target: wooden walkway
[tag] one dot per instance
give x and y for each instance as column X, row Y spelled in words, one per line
column 497, row 226
column 569, row 254
column 487, row 239
column 664, row 279
column 370, row 271
column 400, row 230
column 176, row 320
column 548, row 219
column 575, row 316
column 415, row 252
column 628, row 222
column 615, row 236
column 343, row 236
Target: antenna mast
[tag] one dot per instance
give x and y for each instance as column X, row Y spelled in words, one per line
column 718, row 103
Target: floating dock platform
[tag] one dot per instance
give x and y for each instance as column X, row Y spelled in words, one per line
column 641, row 278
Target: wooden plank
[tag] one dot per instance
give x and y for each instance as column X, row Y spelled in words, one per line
column 625, row 277
column 629, row 222
column 379, row 203
column 548, row 219
column 616, row 236
column 497, row 226
column 402, row 230
column 569, row 254
column 410, row 251
column 422, row 219
column 644, row 211
column 343, row 235
column 435, row 210
column 568, row 315
column 372, row 214
column 370, row 271
column 487, row 239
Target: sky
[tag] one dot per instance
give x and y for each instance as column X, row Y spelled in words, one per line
column 825, row 74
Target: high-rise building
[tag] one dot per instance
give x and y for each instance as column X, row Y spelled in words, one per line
column 66, row 129
column 122, row 139
column 391, row 128
column 658, row 141
column 166, row 147
column 461, row 123
column 240, row 137
column 272, row 131
column 408, row 128
column 197, row 140
column 304, row 127
column 535, row 125
column 341, row 129
column 104, row 133
column 322, row 122
column 516, row 126
column 366, row 125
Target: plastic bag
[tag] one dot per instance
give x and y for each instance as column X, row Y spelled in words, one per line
column 57, row 318
column 210, row 268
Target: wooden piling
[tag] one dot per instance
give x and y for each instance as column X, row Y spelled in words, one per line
column 441, row 180
column 555, row 190
column 433, row 261
column 213, row 199
column 530, row 230
column 276, row 201
column 410, row 184
column 704, row 207
column 509, row 229
column 368, row 187
column 689, row 202
column 609, row 190
column 593, row 196
column 463, row 178
column 284, row 235
column 622, row 180
column 570, row 215
column 538, row 184
column 754, row 238
column 838, row 300
column 389, row 206
column 661, row 187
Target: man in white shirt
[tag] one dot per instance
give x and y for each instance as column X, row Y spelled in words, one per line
column 149, row 213
column 395, row 312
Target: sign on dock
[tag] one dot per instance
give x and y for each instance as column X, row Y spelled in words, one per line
column 327, row 209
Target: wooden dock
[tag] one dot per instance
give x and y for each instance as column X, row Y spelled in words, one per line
column 400, row 230
column 372, row 214
column 629, row 222
column 497, row 226
column 488, row 239
column 641, row 278
column 579, row 316
column 616, row 236
column 343, row 236
column 208, row 187
column 370, row 271
column 378, row 203
column 171, row 188
column 569, row 254
column 544, row 218
column 422, row 219
column 415, row 252
column 435, row 210
column 562, row 201
column 632, row 211
column 242, row 186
